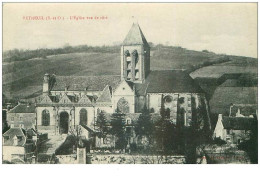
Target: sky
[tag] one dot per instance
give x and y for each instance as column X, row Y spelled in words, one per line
column 228, row 28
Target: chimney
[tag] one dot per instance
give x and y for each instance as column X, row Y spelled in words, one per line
column 230, row 109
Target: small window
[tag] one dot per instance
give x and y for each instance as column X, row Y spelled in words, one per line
column 19, row 138
column 128, row 121
column 228, row 131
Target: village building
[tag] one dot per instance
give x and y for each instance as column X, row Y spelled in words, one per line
column 69, row 101
column 22, row 116
column 18, row 145
column 234, row 130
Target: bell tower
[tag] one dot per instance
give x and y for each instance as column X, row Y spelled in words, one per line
column 135, row 56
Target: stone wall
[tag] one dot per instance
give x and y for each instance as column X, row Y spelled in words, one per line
column 135, row 159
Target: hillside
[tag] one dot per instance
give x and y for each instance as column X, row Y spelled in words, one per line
column 24, row 78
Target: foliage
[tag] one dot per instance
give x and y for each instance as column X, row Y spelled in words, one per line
column 219, row 141
column 118, row 129
column 251, row 146
column 144, row 125
column 102, row 124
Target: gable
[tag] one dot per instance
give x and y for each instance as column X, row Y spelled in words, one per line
column 105, row 95
column 123, row 89
column 219, row 126
column 84, row 100
column 65, row 99
column 46, row 100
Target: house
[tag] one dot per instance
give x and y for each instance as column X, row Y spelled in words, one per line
column 22, row 116
column 234, row 130
column 16, row 145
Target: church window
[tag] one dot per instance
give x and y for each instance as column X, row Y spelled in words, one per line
column 167, row 113
column 122, row 106
column 181, row 100
column 136, row 74
column 83, row 117
column 128, row 74
column 129, row 65
column 127, row 54
column 45, row 118
column 168, row 99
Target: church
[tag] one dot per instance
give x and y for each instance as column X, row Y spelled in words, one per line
column 69, row 101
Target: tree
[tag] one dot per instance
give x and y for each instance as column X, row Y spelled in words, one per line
column 118, row 129
column 165, row 132
column 144, row 125
column 102, row 124
column 251, row 146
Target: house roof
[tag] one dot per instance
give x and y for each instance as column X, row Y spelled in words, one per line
column 23, row 108
column 135, row 36
column 81, row 83
column 245, row 109
column 11, row 133
column 238, row 123
column 168, row 81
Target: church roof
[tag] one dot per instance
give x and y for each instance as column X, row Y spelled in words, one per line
column 81, row 83
column 168, row 81
column 135, row 36
column 105, row 96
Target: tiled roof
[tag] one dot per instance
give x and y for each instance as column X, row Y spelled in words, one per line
column 245, row 109
column 238, row 123
column 23, row 108
column 105, row 96
column 11, row 133
column 168, row 81
column 81, row 83
column 135, row 36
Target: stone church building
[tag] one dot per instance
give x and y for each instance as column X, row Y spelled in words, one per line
column 68, row 101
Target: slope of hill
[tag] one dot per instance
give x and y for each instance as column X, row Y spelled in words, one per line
column 24, row 78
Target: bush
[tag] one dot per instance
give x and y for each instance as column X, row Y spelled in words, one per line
column 219, row 142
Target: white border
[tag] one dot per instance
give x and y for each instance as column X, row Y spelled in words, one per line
column 127, row 172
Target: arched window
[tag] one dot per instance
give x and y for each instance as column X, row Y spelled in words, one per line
column 45, row 118
column 83, row 117
column 167, row 113
column 122, row 106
